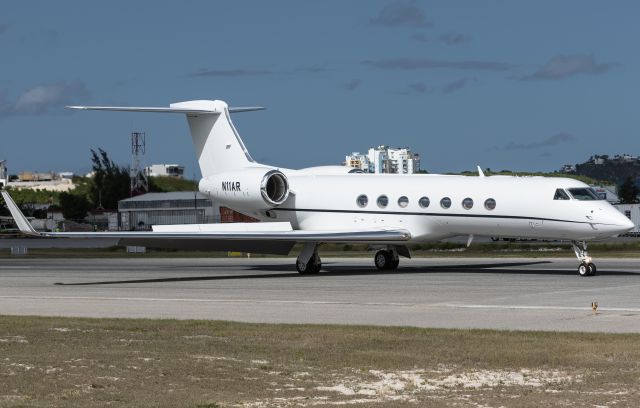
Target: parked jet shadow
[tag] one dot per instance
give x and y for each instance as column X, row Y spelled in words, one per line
column 288, row 271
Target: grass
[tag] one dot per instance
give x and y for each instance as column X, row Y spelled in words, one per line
column 126, row 362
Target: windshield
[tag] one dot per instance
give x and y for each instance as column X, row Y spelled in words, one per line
column 584, row 194
column 560, row 195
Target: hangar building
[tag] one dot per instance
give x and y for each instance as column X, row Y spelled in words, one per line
column 180, row 207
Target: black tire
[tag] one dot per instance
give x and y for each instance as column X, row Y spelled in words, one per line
column 592, row 269
column 394, row 264
column 312, row 267
column 317, row 265
column 382, row 260
column 583, row 269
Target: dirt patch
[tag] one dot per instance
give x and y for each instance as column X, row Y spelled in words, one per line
column 98, row 362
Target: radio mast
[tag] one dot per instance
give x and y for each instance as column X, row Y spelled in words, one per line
column 139, row 182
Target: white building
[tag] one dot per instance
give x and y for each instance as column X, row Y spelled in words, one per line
column 357, row 161
column 632, row 211
column 385, row 159
column 608, row 193
column 4, row 178
column 171, row 170
column 378, row 159
column 403, row 161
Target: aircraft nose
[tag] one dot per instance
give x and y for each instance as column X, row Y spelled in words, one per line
column 621, row 222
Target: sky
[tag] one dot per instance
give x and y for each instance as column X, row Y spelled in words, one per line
column 519, row 85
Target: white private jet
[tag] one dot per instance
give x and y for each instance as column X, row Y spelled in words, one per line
column 339, row 204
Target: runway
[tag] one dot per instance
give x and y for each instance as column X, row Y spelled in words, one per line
column 505, row 293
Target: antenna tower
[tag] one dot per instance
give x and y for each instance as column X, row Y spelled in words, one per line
column 139, row 182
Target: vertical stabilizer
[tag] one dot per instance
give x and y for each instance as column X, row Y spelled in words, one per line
column 217, row 143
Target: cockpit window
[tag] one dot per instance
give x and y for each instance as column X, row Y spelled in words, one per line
column 561, row 195
column 584, row 194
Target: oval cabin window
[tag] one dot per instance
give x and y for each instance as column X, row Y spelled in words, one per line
column 490, row 204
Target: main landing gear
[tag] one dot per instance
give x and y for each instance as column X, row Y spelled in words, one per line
column 387, row 259
column 308, row 261
column 586, row 267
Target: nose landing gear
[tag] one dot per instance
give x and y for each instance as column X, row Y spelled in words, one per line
column 586, row 267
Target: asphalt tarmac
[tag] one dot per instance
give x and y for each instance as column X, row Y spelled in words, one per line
column 504, row 293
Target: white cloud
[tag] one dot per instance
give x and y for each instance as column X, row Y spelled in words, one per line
column 562, row 66
column 44, row 98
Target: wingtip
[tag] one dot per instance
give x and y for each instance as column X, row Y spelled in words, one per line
column 21, row 221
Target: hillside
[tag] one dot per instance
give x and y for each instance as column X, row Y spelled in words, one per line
column 615, row 170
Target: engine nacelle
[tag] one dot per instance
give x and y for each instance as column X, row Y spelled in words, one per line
column 253, row 188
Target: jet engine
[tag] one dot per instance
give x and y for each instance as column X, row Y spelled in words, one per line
column 253, row 188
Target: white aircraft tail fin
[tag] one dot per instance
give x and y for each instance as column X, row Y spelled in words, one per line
column 217, row 142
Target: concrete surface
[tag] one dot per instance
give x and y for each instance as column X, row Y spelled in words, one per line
column 532, row 294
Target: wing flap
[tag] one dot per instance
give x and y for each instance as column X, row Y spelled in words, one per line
column 225, row 227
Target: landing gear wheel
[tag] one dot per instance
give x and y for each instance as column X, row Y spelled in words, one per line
column 385, row 260
column 382, row 260
column 584, row 270
column 311, row 267
column 586, row 267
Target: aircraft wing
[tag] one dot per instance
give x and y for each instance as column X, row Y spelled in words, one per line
column 218, row 236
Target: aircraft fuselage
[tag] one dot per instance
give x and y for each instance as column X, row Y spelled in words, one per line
column 501, row 206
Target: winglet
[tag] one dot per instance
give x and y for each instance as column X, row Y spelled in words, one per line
column 21, row 221
column 480, row 173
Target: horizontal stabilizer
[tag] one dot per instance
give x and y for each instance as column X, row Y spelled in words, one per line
column 145, row 109
column 188, row 107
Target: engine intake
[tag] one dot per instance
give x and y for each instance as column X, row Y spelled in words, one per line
column 274, row 187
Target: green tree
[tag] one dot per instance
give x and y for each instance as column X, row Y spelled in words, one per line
column 163, row 184
column 628, row 192
column 110, row 181
column 74, row 207
column 26, row 196
column 3, row 208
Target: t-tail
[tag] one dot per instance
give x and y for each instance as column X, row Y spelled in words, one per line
column 229, row 174
column 218, row 145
